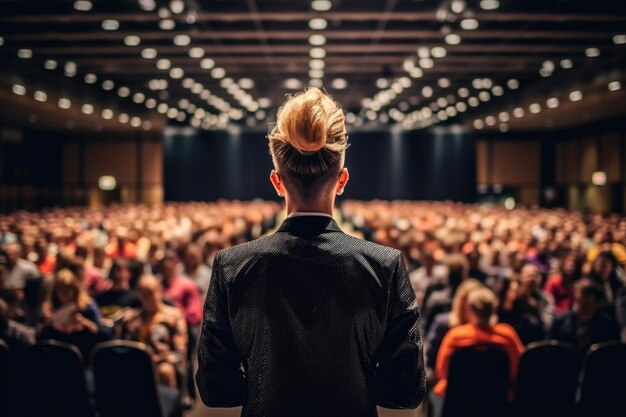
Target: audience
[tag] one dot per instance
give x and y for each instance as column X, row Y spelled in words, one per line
column 121, row 295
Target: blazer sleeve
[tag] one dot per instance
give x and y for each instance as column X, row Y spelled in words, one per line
column 399, row 376
column 221, row 382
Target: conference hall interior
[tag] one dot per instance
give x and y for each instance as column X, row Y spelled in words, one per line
column 487, row 143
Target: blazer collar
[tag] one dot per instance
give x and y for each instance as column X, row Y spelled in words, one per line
column 305, row 226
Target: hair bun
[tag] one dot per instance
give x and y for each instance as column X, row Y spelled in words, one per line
column 304, row 120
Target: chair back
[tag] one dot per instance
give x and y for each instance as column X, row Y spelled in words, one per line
column 603, row 387
column 125, row 380
column 5, row 378
column 56, row 381
column 478, row 382
column 547, row 380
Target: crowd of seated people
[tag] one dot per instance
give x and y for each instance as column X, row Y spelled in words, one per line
column 545, row 273
column 87, row 275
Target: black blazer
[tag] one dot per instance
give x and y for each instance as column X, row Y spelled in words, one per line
column 310, row 322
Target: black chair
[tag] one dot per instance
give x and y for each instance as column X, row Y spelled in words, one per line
column 478, row 383
column 56, row 381
column 5, row 379
column 126, row 384
column 603, row 389
column 547, row 380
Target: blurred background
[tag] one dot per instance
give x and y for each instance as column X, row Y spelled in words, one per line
column 487, row 142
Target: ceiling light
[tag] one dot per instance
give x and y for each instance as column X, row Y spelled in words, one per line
column 265, row 102
column 177, row 73
column 503, row 127
column 110, row 24
column 225, row 82
column 123, row 92
column 83, row 5
column 544, row 72
column 50, row 64
column 318, row 24
column 316, row 64
column 147, row 5
column 317, row 40
column 1, row 41
column 339, row 83
column 504, row 116
column 188, row 82
column 162, row 108
column 316, row 73
column 534, row 108
column 196, row 52
column 592, row 52
column 246, row 83
column 469, row 24
column 218, row 72
column 615, row 85
column 108, row 85
column 416, row 72
column 177, row 6
column 65, row 103
column 123, row 118
column 426, row 63
column 167, row 24
column 91, row 78
column 87, row 109
column 405, row 82
column 442, row 102
column 487, row 83
column 316, row 82
column 207, row 63
column 293, row 84
column 552, row 102
column 452, row 39
column 150, row 103
column 473, row 102
column 163, row 13
column 24, row 53
column 497, row 90
column 619, row 39
column 317, row 52
column 321, row 5
column 576, row 95
column 484, row 96
column 19, row 89
column 438, row 52
column 172, row 112
column 489, row 4
column 132, row 40
column 478, row 124
column 182, row 40
column 135, row 121
column 139, row 98
column 566, row 63
column 457, row 6
column 548, row 65
column 427, row 92
column 460, row 106
column 490, row 120
column 163, row 64
column 477, row 83
column 463, row 92
column 148, row 53
column 518, row 112
column 107, row 114
column 69, row 69
column 513, row 84
column 40, row 96
column 443, row 82
column 146, row 125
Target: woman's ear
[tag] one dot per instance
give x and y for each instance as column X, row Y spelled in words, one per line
column 277, row 183
column 344, row 176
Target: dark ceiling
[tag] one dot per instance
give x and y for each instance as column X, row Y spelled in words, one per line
column 398, row 61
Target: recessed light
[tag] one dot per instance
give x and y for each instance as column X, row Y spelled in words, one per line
column 148, row 53
column 469, row 24
column 479, row 124
column 321, row 5
column 123, row 118
column 317, row 64
column 317, row 40
column 518, row 112
column 167, row 24
column 497, row 90
column 196, row 52
column 132, row 40
column 182, row 40
column 83, row 5
column 246, row 83
column 163, row 64
column 427, row 92
column 575, row 95
column 552, row 102
column 107, row 114
column 65, row 103
column 566, row 63
column 592, row 52
column 318, row 24
column 123, row 92
column 489, row 4
column 91, row 78
column 50, row 64
column 534, row 108
column 207, row 63
column 293, row 84
column 452, row 39
column 108, row 85
column 619, row 39
column 139, row 98
column 218, row 72
column 69, row 69
column 438, row 52
column 177, row 6
column 40, row 96
column 615, row 85
column 177, row 73
column 110, row 24
column 19, row 89
column 25, row 53
column 87, row 109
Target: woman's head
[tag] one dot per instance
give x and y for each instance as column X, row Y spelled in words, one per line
column 149, row 291
column 308, row 147
column 482, row 305
column 458, row 315
column 120, row 272
column 66, row 289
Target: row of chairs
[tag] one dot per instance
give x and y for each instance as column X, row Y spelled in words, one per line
column 552, row 381
column 50, row 379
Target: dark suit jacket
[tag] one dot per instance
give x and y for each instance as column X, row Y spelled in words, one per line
column 310, row 322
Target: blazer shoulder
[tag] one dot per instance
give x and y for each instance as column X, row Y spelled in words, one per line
column 385, row 255
column 238, row 253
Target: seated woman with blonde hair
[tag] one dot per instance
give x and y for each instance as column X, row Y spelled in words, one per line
column 70, row 315
column 160, row 327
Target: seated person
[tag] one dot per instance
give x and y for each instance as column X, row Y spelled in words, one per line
column 70, row 315
column 561, row 284
column 160, row 327
column 121, row 295
column 512, row 312
column 481, row 308
column 17, row 336
column 587, row 323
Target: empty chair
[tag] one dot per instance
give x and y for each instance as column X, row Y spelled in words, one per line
column 547, row 380
column 56, row 384
column 126, row 384
column 478, row 383
column 603, row 390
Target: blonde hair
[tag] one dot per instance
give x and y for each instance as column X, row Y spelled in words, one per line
column 309, row 138
column 483, row 302
column 462, row 292
column 149, row 282
column 66, row 278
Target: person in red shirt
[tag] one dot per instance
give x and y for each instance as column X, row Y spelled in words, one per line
column 561, row 284
column 481, row 308
column 180, row 290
